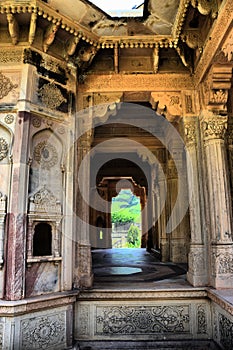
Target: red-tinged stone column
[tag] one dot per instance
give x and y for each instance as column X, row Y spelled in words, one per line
column 16, row 217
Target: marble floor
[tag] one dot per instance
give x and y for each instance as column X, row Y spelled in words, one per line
column 135, row 268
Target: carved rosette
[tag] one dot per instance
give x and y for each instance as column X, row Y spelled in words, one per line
column 51, row 96
column 9, row 118
column 4, row 148
column 45, row 154
column 214, row 127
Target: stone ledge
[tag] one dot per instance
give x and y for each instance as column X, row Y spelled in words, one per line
column 142, row 294
column 19, row 307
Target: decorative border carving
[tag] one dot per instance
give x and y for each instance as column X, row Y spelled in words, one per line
column 201, row 320
column 4, row 148
column 142, row 82
column 120, row 320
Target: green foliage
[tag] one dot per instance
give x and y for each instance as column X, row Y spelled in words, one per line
column 133, row 237
column 126, row 208
column 122, row 217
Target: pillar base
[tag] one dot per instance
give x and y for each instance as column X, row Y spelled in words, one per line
column 221, row 266
column 197, row 274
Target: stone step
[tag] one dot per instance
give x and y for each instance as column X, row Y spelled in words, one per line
column 146, row 345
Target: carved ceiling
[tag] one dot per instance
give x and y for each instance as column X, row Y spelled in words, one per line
column 77, row 31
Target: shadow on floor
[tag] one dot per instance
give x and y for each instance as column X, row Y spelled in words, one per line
column 132, row 265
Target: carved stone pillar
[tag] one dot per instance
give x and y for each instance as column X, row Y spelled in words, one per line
column 163, row 236
column 219, row 203
column 83, row 276
column 180, row 233
column 197, row 268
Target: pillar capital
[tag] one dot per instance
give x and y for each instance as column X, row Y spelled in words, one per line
column 213, row 126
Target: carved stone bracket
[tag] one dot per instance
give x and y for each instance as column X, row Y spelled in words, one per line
column 49, row 35
column 13, row 28
column 216, row 88
column 205, row 7
column 168, row 104
column 105, row 105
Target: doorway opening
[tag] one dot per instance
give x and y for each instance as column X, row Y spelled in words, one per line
column 126, row 220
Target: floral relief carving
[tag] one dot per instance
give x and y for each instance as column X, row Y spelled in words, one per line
column 225, row 332
column 219, row 97
column 201, row 320
column 6, row 85
column 223, row 263
column 138, row 320
column 45, row 154
column 51, row 96
column 44, row 201
column 190, row 132
column 4, row 148
column 43, row 332
column 227, row 47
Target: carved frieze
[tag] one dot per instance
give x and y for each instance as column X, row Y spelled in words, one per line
column 119, row 320
column 45, row 154
column 44, row 331
column 51, row 96
column 11, row 56
column 6, row 85
column 139, row 82
column 4, row 148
